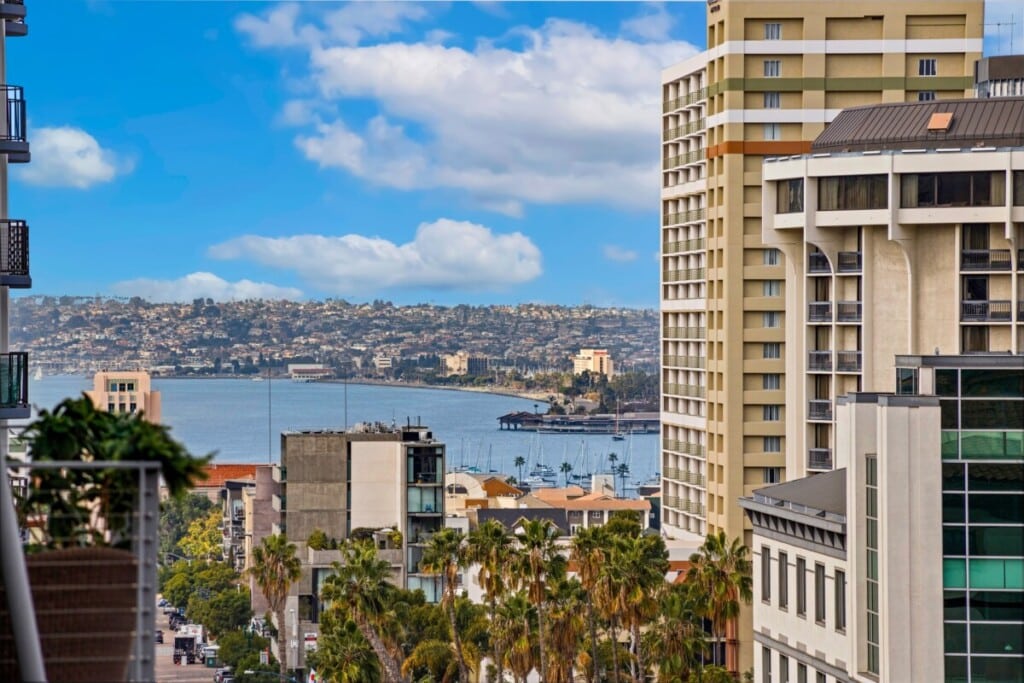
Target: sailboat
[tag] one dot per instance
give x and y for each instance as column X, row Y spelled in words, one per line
column 617, row 435
column 38, row 374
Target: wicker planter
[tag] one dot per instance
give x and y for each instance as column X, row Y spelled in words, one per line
column 85, row 602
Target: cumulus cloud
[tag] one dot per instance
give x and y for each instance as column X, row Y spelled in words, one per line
column 565, row 115
column 348, row 25
column 654, row 23
column 65, row 156
column 201, row 284
column 445, row 254
column 618, row 254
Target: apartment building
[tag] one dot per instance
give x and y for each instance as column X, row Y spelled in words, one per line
column 372, row 479
column 1001, row 76
column 903, row 232
column 127, row 391
column 912, row 552
column 594, row 361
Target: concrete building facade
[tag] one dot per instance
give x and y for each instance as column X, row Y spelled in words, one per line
column 594, row 361
column 127, row 391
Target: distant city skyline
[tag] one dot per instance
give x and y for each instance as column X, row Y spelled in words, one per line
column 437, row 152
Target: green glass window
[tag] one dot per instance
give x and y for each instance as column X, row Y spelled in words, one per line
column 956, row 669
column 995, row 508
column 996, row 605
column 996, row 669
column 994, row 383
column 954, row 541
column 955, row 637
column 954, row 574
column 996, row 573
column 991, row 415
column 950, row 445
column 952, row 477
column 996, row 638
column 989, row 445
column 955, row 605
column 994, row 540
column 952, row 508
column 950, row 411
column 906, row 381
column 995, row 477
column 946, row 383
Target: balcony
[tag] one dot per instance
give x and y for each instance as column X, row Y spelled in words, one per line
column 698, row 244
column 685, row 275
column 13, row 11
column 819, row 361
column 687, row 390
column 684, row 361
column 819, row 458
column 819, row 410
column 689, row 216
column 685, row 332
column 850, row 262
column 848, row 361
column 985, row 259
column 684, row 100
column 14, row 254
column 848, row 311
column 694, row 449
column 819, row 312
column 14, row 138
column 985, row 311
column 14, row 386
column 1020, row 259
column 818, row 263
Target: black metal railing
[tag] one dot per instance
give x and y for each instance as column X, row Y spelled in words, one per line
column 848, row 311
column 819, row 311
column 819, row 458
column 16, row 130
column 982, row 311
column 819, row 361
column 14, row 253
column 848, row 361
column 818, row 409
column 818, row 263
column 850, row 262
column 14, row 385
column 985, row 259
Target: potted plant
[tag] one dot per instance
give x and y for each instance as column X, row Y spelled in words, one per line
column 81, row 567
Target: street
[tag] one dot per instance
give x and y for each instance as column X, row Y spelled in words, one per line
column 166, row 671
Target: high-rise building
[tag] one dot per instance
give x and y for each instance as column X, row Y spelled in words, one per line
column 594, row 361
column 368, row 480
column 774, row 75
column 127, row 391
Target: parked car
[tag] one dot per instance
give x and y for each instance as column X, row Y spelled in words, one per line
column 223, row 675
column 159, row 636
column 163, row 603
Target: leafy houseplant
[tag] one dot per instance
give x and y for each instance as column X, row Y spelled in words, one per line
column 81, row 569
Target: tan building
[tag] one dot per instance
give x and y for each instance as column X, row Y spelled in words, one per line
column 595, row 361
column 775, row 74
column 125, row 392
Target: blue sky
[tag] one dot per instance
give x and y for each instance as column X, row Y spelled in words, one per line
column 465, row 152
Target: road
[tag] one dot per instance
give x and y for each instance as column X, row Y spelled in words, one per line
column 167, row 672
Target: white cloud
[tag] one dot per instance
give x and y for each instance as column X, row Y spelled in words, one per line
column 69, row 157
column 445, row 254
column 276, row 28
column 613, row 252
column 567, row 115
column 654, row 23
column 349, row 25
column 195, row 285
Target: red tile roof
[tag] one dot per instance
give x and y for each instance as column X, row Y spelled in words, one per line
column 216, row 475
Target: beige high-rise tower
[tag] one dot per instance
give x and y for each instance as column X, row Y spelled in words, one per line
column 773, row 76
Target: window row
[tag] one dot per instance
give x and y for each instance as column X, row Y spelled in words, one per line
column 784, row 672
column 821, row 597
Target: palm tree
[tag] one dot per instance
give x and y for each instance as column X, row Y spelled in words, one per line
column 537, row 545
column 588, row 554
column 519, row 462
column 721, row 570
column 642, row 561
column 512, row 630
column 360, row 585
column 566, row 627
column 343, row 654
column 275, row 568
column 566, row 468
column 676, row 637
column 443, row 556
column 490, row 546
column 612, row 459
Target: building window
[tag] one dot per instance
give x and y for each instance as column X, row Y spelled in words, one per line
column 773, row 444
column 772, row 131
column 906, row 381
column 766, row 573
column 773, row 31
column 772, row 475
column 840, row 601
column 848, row 193
column 766, row 665
column 772, row 68
column 110, row 407
column 770, row 413
column 801, row 673
column 801, row 586
column 772, row 350
column 790, row 196
column 985, row 188
column 974, row 339
column 783, row 668
column 771, row 319
column 820, row 678
column 819, row 593
column 772, row 100
column 871, row 555
column 1018, row 188
column 771, row 382
column 122, row 407
column 771, row 256
column 132, row 407
column 783, row 580
column 926, row 96
column 771, row 288
column 926, row 67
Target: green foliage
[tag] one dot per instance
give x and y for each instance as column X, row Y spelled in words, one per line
column 624, row 523
column 262, row 673
column 236, row 645
column 275, row 567
column 176, row 514
column 95, row 506
column 712, row 674
column 181, row 581
column 222, row 612
column 318, row 540
column 203, row 541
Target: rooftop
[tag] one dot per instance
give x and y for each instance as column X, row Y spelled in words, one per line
column 217, row 475
column 817, row 495
column 986, row 122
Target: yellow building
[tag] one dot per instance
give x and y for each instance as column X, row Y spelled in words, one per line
column 775, row 74
column 125, row 392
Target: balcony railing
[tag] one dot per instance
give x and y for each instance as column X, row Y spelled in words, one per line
column 688, row 390
column 848, row 361
column 698, row 244
column 819, row 458
column 685, row 361
column 819, row 410
column 683, row 159
column 685, row 275
column 848, row 311
column 818, row 263
column 684, row 100
column 819, row 312
column 850, row 262
column 985, row 259
column 694, row 449
column 685, row 129
column 14, row 136
column 1020, row 259
column 819, row 361
column 14, row 386
column 13, row 11
column 982, row 311
column 685, row 332
column 14, row 254
column 690, row 216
